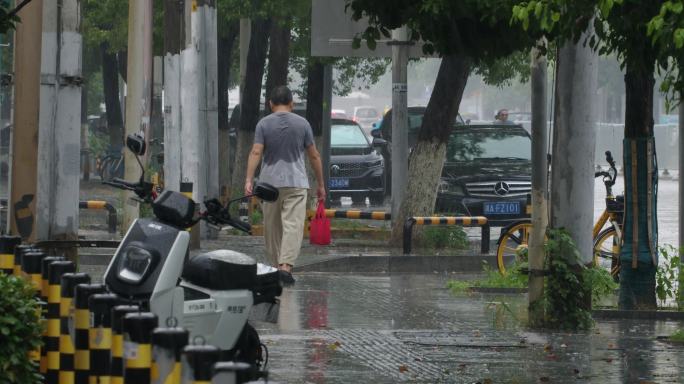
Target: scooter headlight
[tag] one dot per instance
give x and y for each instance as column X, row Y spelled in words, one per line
column 136, row 263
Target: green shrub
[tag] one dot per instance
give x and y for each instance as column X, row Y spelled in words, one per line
column 20, row 331
column 666, row 275
column 443, row 237
column 678, row 336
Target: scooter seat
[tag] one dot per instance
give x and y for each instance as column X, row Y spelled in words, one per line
column 221, row 270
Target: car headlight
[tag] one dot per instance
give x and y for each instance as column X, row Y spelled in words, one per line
column 455, row 189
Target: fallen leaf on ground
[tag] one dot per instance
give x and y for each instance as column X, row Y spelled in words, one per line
column 403, row 368
column 547, row 347
column 335, row 345
column 544, row 379
column 487, row 381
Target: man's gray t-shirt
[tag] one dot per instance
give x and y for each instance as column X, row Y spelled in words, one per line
column 285, row 137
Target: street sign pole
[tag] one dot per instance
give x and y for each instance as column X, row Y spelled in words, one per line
column 399, row 119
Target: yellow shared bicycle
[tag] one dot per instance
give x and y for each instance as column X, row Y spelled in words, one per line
column 607, row 232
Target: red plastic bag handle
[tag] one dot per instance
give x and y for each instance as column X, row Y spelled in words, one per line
column 320, row 211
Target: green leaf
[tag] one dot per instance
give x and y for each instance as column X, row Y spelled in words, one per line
column 679, row 37
column 555, row 17
column 371, row 44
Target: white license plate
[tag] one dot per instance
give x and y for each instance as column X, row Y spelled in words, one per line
column 339, row 182
column 502, row 208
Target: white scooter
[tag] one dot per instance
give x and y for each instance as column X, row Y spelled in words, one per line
column 211, row 294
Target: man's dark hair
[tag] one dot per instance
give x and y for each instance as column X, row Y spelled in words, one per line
column 281, row 95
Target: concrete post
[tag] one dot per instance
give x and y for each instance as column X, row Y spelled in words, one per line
column 139, row 92
column 174, row 41
column 326, row 127
column 574, row 142
column 399, row 119
column 24, row 147
column 59, row 134
column 539, row 185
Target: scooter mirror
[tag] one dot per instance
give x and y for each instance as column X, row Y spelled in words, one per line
column 266, row 192
column 136, row 143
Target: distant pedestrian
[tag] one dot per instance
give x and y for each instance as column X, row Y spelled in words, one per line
column 502, row 117
column 283, row 138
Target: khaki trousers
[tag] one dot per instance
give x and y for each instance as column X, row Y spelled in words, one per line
column 284, row 225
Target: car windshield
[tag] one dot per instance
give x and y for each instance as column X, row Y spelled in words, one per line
column 347, row 135
column 489, row 144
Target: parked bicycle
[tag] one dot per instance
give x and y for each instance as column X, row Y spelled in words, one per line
column 607, row 231
column 112, row 164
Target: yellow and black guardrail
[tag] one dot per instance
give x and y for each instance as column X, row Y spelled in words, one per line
column 102, row 205
column 465, row 221
column 351, row 214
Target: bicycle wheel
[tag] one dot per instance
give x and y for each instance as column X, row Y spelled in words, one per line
column 607, row 251
column 512, row 243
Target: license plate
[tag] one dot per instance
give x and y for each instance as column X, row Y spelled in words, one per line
column 502, row 208
column 339, row 182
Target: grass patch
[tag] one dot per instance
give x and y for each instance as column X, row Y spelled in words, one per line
column 452, row 237
column 678, row 336
column 493, row 279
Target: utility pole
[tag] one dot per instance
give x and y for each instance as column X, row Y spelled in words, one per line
column 139, row 92
column 399, row 118
column 59, row 135
column 174, row 42
column 199, row 97
column 680, row 299
column 24, row 148
column 540, row 169
column 326, row 127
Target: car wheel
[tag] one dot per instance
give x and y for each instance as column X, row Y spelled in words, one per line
column 377, row 199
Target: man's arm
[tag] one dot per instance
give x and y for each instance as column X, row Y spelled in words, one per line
column 252, row 163
column 315, row 159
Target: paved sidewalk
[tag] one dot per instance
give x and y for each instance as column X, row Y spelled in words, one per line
column 409, row 328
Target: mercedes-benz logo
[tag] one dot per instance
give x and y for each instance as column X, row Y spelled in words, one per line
column 501, row 188
column 335, row 169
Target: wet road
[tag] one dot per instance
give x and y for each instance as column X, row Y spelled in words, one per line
column 403, row 328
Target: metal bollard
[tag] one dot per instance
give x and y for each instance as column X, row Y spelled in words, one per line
column 19, row 252
column 198, row 363
column 231, row 372
column 116, row 362
column 55, row 271
column 167, row 347
column 7, row 244
column 81, row 327
column 137, row 347
column 100, row 335
column 44, row 275
column 44, row 285
column 31, row 264
column 66, row 343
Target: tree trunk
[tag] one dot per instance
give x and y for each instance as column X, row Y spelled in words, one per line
column 110, row 84
column 427, row 158
column 225, row 59
column 638, row 256
column 249, row 110
column 278, row 58
column 314, row 115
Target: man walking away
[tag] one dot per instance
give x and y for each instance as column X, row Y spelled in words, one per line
column 502, row 117
column 282, row 138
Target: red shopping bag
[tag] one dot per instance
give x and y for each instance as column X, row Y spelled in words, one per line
column 320, row 226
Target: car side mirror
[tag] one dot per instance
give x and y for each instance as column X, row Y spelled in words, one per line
column 136, row 143
column 377, row 142
column 266, row 192
column 376, row 133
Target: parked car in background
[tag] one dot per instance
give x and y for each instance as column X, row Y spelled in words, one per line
column 339, row 114
column 356, row 166
column 365, row 116
column 487, row 172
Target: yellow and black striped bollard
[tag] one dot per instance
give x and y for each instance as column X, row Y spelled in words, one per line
column 198, row 363
column 19, row 252
column 167, row 347
column 100, row 335
column 137, row 347
column 44, row 287
column 116, row 362
column 31, row 264
column 81, row 327
column 55, row 272
column 7, row 244
column 45, row 284
column 66, row 343
column 231, row 372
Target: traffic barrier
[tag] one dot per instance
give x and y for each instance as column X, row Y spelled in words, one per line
column 231, row 372
column 465, row 221
column 31, row 265
column 198, row 363
column 44, row 286
column 7, row 244
column 100, row 335
column 55, row 271
column 81, row 330
column 167, row 347
column 104, row 205
column 19, row 252
column 137, row 347
column 116, row 361
column 66, row 345
column 351, row 214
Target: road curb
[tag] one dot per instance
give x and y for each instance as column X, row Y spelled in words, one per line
column 614, row 314
column 399, row 264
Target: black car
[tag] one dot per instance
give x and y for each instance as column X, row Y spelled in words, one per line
column 356, row 167
column 487, row 172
